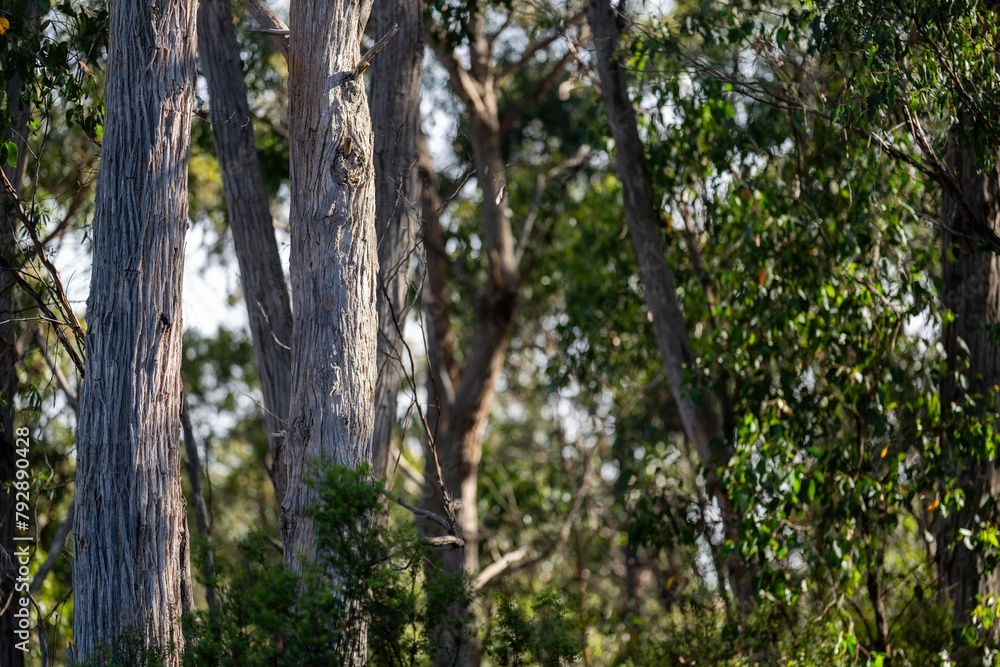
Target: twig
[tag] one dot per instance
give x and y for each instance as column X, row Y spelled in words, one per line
column 68, row 313
column 57, row 373
column 366, row 59
column 507, row 563
column 56, row 322
column 55, row 550
column 270, row 24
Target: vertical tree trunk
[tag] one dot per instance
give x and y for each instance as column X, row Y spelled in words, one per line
column 463, row 400
column 264, row 288
column 129, row 508
column 701, row 424
column 9, row 359
column 395, row 82
column 334, row 265
column 972, row 293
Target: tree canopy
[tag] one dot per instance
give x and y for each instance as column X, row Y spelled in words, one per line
column 609, row 334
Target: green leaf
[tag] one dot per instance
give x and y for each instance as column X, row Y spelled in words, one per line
column 10, row 154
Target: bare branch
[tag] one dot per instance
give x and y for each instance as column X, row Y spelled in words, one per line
column 60, row 291
column 54, row 552
column 436, row 518
column 571, row 164
column 516, row 560
column 528, row 102
column 366, row 60
column 270, row 23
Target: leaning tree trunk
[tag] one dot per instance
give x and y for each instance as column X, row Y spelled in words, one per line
column 16, row 131
column 972, row 294
column 334, row 265
column 700, row 422
column 264, row 289
column 395, row 82
column 130, row 516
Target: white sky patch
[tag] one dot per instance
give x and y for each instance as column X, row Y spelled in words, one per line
column 208, row 281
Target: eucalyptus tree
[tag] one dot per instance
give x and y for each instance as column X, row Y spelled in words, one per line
column 463, row 371
column 130, row 531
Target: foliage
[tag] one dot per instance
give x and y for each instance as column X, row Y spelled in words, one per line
column 271, row 616
column 546, row 638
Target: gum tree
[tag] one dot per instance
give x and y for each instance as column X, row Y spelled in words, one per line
column 130, row 540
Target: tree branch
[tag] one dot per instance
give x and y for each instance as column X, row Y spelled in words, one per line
column 270, row 23
column 515, row 560
column 63, row 301
column 528, row 102
column 571, row 164
column 535, row 48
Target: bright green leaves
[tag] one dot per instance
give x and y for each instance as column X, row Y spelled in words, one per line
column 8, row 153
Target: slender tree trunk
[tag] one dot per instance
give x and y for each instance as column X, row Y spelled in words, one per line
column 200, row 506
column 130, row 517
column 9, row 359
column 334, row 265
column 463, row 400
column 395, row 82
column 264, row 288
column 701, row 424
column 972, row 293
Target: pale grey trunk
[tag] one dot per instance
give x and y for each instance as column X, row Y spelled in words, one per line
column 395, row 83
column 264, row 288
column 129, row 526
column 334, row 265
column 972, row 293
column 701, row 424
column 9, row 359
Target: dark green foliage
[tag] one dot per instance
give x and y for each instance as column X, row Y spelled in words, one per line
column 546, row 638
column 364, row 575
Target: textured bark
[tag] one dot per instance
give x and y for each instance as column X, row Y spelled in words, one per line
column 264, row 288
column 334, row 265
column 130, row 517
column 701, row 424
column 9, row 359
column 395, row 83
column 972, row 293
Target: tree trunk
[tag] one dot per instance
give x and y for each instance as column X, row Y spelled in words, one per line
column 463, row 400
column 9, row 359
column 264, row 288
column 395, row 82
column 972, row 293
column 334, row 265
column 129, row 507
column 701, row 424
